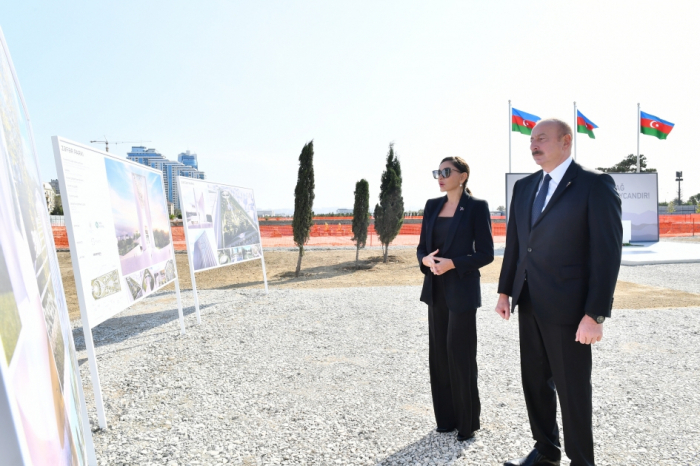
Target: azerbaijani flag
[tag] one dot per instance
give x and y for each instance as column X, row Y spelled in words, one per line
column 654, row 126
column 523, row 122
column 584, row 125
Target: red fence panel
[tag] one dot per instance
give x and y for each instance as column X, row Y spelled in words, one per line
column 60, row 237
column 670, row 229
column 322, row 235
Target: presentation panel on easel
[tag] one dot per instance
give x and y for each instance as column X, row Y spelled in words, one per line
column 42, row 409
column 221, row 223
column 118, row 227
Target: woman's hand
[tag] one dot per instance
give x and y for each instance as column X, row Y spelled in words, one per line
column 442, row 265
column 428, row 260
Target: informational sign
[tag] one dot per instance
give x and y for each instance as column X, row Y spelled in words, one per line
column 119, row 234
column 43, row 419
column 640, row 203
column 221, row 223
column 221, row 226
column 639, row 193
column 511, row 178
column 118, row 228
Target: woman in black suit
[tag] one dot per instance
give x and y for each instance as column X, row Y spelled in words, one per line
column 455, row 242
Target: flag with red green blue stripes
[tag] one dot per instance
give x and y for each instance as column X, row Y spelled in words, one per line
column 654, row 126
column 523, row 122
column 584, row 125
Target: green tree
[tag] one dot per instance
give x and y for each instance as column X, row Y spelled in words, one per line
column 304, row 201
column 629, row 165
column 671, row 208
column 694, row 200
column 360, row 216
column 57, row 206
column 388, row 214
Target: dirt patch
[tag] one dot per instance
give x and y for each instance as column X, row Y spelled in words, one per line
column 337, row 269
column 320, row 269
column 635, row 296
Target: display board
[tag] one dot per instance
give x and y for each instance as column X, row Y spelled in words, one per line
column 639, row 193
column 118, row 228
column 43, row 418
column 511, row 178
column 640, row 203
column 221, row 227
column 221, row 223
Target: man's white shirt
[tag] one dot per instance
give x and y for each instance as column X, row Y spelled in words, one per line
column 557, row 174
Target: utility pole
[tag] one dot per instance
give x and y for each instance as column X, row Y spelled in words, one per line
column 679, row 178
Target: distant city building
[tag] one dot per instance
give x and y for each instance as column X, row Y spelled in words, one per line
column 266, row 213
column 171, row 169
column 50, row 196
column 54, row 185
column 188, row 159
column 344, row 211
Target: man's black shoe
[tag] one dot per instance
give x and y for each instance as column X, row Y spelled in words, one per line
column 463, row 438
column 535, row 458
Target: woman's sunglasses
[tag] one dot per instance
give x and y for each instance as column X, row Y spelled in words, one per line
column 445, row 173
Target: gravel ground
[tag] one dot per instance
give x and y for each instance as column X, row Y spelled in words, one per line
column 340, row 376
column 683, row 277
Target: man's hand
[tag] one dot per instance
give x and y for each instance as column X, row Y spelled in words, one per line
column 503, row 306
column 442, row 265
column 589, row 331
column 429, row 260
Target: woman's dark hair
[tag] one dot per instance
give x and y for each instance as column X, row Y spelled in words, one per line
column 461, row 165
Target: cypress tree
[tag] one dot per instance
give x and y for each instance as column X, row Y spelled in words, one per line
column 304, row 200
column 388, row 214
column 360, row 216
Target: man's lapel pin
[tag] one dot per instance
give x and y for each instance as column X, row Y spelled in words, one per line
column 461, row 208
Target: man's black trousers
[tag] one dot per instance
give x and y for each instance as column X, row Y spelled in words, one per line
column 551, row 357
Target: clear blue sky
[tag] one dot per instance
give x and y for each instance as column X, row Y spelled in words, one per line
column 246, row 84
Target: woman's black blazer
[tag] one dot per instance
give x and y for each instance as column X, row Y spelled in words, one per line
column 469, row 244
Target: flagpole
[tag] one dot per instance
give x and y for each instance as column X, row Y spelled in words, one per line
column 510, row 130
column 575, row 128
column 639, row 125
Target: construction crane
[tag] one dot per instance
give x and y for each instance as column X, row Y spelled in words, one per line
column 106, row 143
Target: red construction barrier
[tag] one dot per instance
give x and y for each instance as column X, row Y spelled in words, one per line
column 321, row 235
column 681, row 218
column 349, row 219
column 498, row 229
column 669, row 229
column 60, row 237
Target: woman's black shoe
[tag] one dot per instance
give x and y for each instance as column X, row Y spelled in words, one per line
column 462, row 438
column 441, row 430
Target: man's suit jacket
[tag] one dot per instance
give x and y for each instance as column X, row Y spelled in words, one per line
column 571, row 256
column 469, row 244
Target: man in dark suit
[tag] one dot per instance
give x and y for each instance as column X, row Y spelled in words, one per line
column 562, row 257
